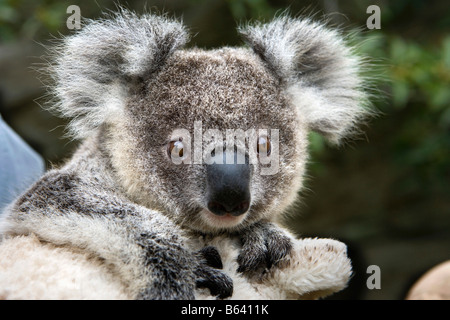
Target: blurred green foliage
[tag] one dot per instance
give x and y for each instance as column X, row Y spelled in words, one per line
column 421, row 85
column 259, row 9
column 25, row 19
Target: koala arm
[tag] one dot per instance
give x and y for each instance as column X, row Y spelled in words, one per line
column 315, row 268
column 141, row 246
column 263, row 245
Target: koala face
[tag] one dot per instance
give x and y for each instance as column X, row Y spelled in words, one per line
column 222, row 91
column 217, row 139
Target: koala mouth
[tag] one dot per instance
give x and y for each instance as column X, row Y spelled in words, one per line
column 226, row 209
column 224, row 221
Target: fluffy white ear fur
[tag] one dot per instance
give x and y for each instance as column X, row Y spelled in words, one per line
column 30, row 269
column 321, row 74
column 94, row 69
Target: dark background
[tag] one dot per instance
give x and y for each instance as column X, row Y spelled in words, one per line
column 386, row 195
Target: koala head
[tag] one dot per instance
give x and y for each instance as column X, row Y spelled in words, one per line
column 215, row 139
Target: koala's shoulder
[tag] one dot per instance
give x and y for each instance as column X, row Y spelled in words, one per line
column 54, row 187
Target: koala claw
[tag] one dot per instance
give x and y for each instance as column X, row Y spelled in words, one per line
column 218, row 283
column 211, row 256
column 263, row 246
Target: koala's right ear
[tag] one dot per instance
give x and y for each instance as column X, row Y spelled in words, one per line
column 319, row 71
column 96, row 68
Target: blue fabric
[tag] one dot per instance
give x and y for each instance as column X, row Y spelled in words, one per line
column 20, row 165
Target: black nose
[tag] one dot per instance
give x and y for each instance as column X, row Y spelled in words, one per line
column 228, row 187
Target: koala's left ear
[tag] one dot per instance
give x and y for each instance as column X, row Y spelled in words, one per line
column 320, row 72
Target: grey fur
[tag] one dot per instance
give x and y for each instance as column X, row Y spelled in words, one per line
column 126, row 83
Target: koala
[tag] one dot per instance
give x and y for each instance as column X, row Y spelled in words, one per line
column 154, row 171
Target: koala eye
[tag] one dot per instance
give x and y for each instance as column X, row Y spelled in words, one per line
column 263, row 145
column 175, row 149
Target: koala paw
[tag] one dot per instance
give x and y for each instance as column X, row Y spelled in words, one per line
column 263, row 246
column 208, row 275
column 176, row 272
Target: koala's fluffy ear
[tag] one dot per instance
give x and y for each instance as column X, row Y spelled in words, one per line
column 95, row 69
column 320, row 72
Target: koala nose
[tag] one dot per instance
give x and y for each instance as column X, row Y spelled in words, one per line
column 228, row 187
